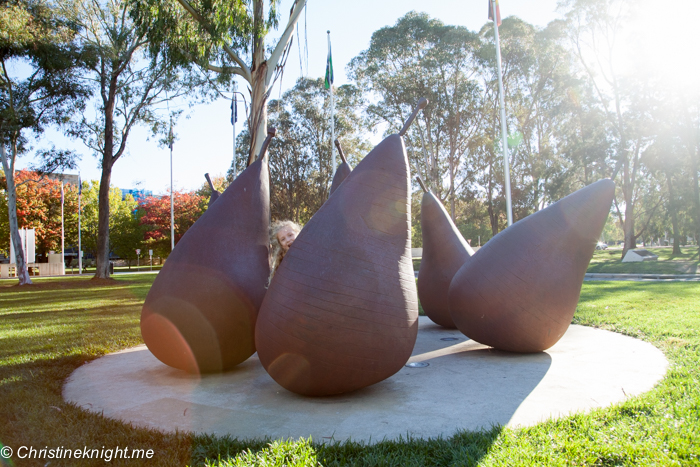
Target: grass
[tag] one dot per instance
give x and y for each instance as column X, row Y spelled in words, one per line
column 609, row 261
column 49, row 329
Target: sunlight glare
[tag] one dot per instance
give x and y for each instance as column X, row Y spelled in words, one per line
column 663, row 40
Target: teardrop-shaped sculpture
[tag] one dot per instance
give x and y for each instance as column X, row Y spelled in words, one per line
column 341, row 312
column 444, row 252
column 520, row 292
column 342, row 171
column 200, row 313
column 214, row 192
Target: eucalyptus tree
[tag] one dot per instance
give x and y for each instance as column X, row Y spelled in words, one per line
column 129, row 83
column 38, row 87
column 422, row 57
column 539, row 82
column 596, row 34
column 226, row 38
column 300, row 161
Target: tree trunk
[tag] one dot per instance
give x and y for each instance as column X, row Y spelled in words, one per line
column 257, row 121
column 674, row 217
column 102, row 256
column 452, row 188
column 696, row 194
column 21, row 264
column 258, row 111
column 630, row 238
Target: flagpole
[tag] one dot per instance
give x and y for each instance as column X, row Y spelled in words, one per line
column 234, row 112
column 332, row 105
column 504, row 130
column 63, row 238
column 80, row 247
column 172, row 204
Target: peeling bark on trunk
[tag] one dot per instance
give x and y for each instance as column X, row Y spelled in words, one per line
column 21, row 264
column 258, row 111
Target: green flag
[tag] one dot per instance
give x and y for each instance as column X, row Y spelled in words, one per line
column 329, row 68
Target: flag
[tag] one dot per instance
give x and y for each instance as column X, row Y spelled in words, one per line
column 80, row 186
column 234, row 110
column 61, row 193
column 498, row 12
column 329, row 68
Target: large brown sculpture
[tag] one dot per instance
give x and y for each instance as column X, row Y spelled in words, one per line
column 200, row 313
column 341, row 312
column 519, row 293
column 342, row 171
column 444, row 252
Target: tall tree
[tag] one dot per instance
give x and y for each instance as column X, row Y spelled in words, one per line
column 129, row 85
column 226, row 38
column 595, row 29
column 300, row 154
column 126, row 231
column 188, row 207
column 39, row 208
column 422, row 57
column 41, row 89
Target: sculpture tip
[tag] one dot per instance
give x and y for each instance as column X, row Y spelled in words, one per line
column 421, row 105
column 340, row 151
column 422, row 185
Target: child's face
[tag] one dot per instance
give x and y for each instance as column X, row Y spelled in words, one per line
column 286, row 237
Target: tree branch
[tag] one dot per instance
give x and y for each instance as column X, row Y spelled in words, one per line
column 231, row 53
column 284, row 40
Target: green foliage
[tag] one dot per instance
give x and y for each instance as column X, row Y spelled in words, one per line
column 126, row 232
column 300, row 153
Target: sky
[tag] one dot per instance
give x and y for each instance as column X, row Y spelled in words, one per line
column 205, row 138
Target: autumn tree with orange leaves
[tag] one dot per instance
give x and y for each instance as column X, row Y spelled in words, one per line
column 39, row 208
column 188, row 207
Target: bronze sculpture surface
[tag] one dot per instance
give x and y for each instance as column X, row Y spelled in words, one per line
column 519, row 292
column 341, row 312
column 444, row 252
column 200, row 313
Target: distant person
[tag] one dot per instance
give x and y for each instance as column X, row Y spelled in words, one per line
column 282, row 235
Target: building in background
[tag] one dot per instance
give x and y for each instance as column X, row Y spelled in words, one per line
column 138, row 195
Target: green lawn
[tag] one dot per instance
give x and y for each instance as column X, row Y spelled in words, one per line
column 49, row 329
column 609, row 261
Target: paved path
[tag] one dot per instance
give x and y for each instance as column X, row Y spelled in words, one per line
column 641, row 277
column 465, row 386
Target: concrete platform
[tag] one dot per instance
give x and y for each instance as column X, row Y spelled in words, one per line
column 465, row 386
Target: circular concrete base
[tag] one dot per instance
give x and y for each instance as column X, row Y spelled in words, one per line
column 465, row 386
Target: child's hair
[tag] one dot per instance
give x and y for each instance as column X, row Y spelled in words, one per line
column 276, row 251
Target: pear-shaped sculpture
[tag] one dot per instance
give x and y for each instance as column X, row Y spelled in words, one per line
column 342, row 171
column 444, row 252
column 519, row 293
column 341, row 312
column 200, row 313
column 214, row 192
